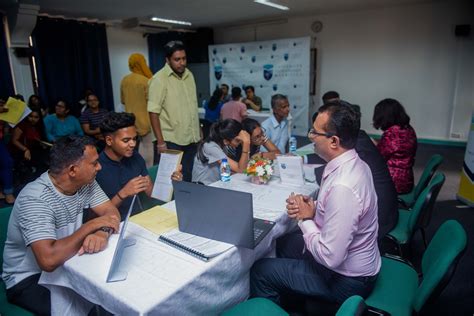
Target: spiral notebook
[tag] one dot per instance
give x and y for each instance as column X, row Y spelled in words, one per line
column 199, row 247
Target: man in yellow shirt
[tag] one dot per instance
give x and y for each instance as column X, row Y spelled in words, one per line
column 173, row 107
column 133, row 94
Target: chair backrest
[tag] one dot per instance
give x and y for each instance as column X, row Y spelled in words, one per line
column 424, row 204
column 146, row 202
column 4, row 217
column 152, row 171
column 428, row 173
column 353, row 306
column 439, row 261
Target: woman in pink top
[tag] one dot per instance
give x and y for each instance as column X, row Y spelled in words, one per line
column 398, row 143
column 234, row 109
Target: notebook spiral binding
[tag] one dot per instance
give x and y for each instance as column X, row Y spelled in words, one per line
column 184, row 248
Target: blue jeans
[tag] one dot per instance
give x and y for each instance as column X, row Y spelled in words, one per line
column 6, row 169
column 296, row 272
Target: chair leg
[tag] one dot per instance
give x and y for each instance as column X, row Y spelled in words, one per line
column 423, row 234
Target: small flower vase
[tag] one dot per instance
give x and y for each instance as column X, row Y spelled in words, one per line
column 258, row 180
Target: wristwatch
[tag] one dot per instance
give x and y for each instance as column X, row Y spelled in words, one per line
column 107, row 229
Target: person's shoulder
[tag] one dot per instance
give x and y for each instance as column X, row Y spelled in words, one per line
column 36, row 188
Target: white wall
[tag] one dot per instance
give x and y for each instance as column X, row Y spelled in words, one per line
column 21, row 75
column 121, row 45
column 408, row 52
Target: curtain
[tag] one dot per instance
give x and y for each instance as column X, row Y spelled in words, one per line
column 196, row 44
column 6, row 80
column 72, row 56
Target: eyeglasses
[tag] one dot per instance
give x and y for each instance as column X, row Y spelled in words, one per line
column 260, row 137
column 312, row 133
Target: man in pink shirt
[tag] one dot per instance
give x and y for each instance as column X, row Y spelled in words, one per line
column 234, row 109
column 335, row 255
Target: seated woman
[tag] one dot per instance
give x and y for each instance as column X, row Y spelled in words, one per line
column 26, row 147
column 398, row 143
column 210, row 152
column 213, row 106
column 34, row 101
column 257, row 139
column 61, row 123
column 91, row 118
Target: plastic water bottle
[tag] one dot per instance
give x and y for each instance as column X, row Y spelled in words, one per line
column 293, row 144
column 225, row 170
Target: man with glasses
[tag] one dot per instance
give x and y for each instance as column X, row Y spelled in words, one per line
column 335, row 253
column 277, row 125
column 173, row 107
column 387, row 199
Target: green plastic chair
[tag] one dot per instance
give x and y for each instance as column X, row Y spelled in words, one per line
column 398, row 290
column 147, row 202
column 409, row 199
column 418, row 218
column 7, row 309
column 256, row 307
column 353, row 306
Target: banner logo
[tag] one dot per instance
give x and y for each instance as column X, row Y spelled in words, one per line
column 218, row 72
column 267, row 71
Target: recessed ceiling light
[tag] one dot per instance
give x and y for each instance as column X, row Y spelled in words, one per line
column 272, row 4
column 157, row 19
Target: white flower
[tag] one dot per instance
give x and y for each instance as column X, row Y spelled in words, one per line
column 269, row 170
column 260, row 171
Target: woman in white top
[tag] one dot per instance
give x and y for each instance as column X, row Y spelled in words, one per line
column 210, row 151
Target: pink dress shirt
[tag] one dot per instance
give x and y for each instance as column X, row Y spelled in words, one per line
column 234, row 110
column 343, row 234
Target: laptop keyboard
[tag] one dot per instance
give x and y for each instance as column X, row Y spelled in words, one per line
column 257, row 233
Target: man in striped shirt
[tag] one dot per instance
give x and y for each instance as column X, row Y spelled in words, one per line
column 45, row 227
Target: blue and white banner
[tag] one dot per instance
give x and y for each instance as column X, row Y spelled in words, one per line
column 278, row 66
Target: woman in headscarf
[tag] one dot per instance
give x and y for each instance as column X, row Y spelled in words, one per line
column 133, row 94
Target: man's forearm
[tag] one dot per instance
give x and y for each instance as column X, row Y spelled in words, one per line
column 51, row 254
column 156, row 126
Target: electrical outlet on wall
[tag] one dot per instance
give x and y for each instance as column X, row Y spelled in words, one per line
column 456, row 135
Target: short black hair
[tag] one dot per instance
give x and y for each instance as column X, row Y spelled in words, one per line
column 343, row 122
column 389, row 112
column 250, row 87
column 225, row 85
column 236, row 93
column 114, row 121
column 66, row 151
column 329, row 96
column 173, row 46
column 276, row 98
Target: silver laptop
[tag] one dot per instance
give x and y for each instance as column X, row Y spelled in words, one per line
column 219, row 214
column 114, row 273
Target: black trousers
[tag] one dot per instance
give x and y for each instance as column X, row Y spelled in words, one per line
column 189, row 151
column 296, row 272
column 28, row 294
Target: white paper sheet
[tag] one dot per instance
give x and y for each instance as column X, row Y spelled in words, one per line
column 291, row 170
column 163, row 188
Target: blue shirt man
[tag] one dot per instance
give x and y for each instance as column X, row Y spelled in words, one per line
column 276, row 126
column 124, row 172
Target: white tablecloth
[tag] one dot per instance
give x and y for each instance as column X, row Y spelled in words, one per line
column 163, row 280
